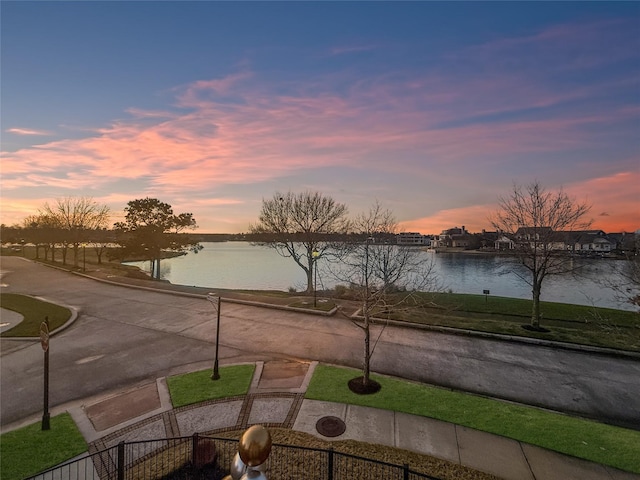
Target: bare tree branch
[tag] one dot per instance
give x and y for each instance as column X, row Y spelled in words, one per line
column 541, row 224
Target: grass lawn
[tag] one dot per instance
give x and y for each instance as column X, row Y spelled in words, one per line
column 603, row 327
column 197, row 386
column 597, row 442
column 34, row 311
column 522, row 308
column 30, row 450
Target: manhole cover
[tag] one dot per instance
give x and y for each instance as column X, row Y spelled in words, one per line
column 330, row 426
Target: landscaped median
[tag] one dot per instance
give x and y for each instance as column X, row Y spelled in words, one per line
column 34, row 312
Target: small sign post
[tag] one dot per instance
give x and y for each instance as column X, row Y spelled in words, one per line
column 486, row 293
column 44, row 341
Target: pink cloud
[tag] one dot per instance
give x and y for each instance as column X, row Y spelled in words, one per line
column 474, row 218
column 266, row 136
column 617, row 195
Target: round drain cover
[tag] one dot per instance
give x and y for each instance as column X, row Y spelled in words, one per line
column 330, row 426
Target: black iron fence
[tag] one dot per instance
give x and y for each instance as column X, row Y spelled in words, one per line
column 204, row 457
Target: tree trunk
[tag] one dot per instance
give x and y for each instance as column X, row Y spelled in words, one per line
column 309, row 272
column 367, row 356
column 535, row 313
column 158, row 268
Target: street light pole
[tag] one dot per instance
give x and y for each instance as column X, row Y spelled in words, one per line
column 215, row 301
column 44, row 341
column 315, row 255
column 84, row 257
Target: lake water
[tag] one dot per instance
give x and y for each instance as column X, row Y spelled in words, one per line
column 240, row 265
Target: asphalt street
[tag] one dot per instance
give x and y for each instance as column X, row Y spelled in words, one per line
column 125, row 336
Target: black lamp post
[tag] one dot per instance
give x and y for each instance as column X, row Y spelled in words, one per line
column 215, row 301
column 315, row 255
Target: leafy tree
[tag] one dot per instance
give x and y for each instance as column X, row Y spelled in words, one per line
column 383, row 275
column 301, row 226
column 75, row 217
column 541, row 223
column 150, row 228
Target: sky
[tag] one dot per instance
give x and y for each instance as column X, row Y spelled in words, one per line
column 434, row 110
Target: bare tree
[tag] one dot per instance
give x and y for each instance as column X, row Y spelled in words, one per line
column 541, row 223
column 76, row 217
column 383, row 276
column 301, row 226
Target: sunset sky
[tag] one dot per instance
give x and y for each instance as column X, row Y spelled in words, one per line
column 432, row 109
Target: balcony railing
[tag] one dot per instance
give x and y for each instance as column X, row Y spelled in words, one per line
column 203, row 457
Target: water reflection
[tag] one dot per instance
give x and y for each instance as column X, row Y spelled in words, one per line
column 239, row 265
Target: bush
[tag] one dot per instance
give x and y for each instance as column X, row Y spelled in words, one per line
column 339, row 291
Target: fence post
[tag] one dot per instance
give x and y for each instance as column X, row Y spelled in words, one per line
column 194, row 449
column 405, row 470
column 330, row 465
column 121, row 461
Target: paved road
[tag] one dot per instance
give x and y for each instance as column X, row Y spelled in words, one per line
column 125, row 336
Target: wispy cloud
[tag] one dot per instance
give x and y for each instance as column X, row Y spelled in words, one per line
column 27, row 131
column 139, row 113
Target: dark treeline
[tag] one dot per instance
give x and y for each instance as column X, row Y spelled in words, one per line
column 18, row 235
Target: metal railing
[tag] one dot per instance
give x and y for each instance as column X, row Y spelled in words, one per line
column 192, row 458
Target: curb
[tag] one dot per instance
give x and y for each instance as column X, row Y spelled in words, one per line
column 204, row 296
column 512, row 338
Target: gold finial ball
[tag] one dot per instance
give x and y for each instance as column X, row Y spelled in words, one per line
column 255, row 445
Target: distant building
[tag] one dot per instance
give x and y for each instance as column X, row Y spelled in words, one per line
column 454, row 238
column 590, row 241
column 411, row 238
column 503, row 242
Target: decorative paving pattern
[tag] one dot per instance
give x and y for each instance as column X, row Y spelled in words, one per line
column 206, row 418
column 236, row 413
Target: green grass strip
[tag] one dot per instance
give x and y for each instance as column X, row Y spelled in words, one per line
column 34, row 312
column 30, row 450
column 597, row 442
column 197, row 386
column 522, row 308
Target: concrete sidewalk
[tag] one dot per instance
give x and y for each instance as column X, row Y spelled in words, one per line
column 276, row 399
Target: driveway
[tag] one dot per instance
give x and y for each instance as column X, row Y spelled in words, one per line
column 125, row 336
